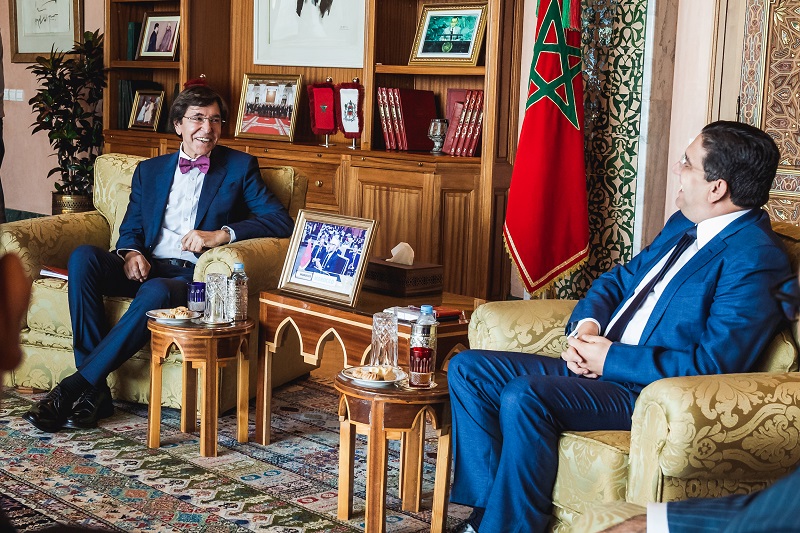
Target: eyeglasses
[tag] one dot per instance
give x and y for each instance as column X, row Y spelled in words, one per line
column 788, row 294
column 199, row 119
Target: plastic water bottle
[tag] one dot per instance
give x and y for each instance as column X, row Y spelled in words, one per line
column 422, row 356
column 237, row 293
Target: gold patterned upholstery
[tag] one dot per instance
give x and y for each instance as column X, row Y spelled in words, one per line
column 47, row 334
column 691, row 436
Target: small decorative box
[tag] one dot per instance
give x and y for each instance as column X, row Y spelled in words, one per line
column 403, row 280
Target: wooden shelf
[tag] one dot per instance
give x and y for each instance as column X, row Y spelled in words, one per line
column 165, row 65
column 437, row 70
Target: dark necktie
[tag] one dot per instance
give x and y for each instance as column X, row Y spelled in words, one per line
column 201, row 163
column 619, row 326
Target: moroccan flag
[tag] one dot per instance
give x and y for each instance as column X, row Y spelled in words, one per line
column 547, row 220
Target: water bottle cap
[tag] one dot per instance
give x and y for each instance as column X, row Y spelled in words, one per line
column 426, row 309
column 238, row 266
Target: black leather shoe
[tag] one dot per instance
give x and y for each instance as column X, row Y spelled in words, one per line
column 93, row 405
column 50, row 413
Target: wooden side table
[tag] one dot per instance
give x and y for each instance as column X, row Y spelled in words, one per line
column 207, row 348
column 317, row 323
column 383, row 414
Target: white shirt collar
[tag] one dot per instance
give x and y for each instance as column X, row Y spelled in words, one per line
column 184, row 155
column 710, row 228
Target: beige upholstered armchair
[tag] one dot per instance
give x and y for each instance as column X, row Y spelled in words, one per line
column 694, row 436
column 47, row 334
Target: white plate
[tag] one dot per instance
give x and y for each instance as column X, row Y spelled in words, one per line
column 348, row 373
column 173, row 321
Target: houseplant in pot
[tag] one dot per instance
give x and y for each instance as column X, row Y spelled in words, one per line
column 68, row 107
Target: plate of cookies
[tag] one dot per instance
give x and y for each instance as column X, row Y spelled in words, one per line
column 175, row 316
column 375, row 376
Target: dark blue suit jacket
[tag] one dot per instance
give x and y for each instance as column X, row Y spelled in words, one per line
column 715, row 316
column 774, row 509
column 233, row 195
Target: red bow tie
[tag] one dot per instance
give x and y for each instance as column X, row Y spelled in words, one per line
column 201, row 163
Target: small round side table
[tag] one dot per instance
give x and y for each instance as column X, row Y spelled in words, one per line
column 390, row 413
column 204, row 347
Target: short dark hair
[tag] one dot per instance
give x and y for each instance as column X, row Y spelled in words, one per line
column 745, row 157
column 198, row 96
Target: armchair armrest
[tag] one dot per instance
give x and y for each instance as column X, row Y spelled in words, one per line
column 530, row 326
column 263, row 261
column 714, row 435
column 50, row 240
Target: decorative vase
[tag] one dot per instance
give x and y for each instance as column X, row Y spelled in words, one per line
column 71, row 203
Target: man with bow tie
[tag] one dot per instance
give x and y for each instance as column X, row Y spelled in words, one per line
column 180, row 205
column 697, row 301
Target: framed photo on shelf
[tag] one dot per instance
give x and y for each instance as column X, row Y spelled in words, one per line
column 328, row 256
column 38, row 27
column 268, row 106
column 309, row 33
column 146, row 110
column 449, row 34
column 159, row 37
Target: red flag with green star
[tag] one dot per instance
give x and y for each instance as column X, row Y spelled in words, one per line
column 547, row 220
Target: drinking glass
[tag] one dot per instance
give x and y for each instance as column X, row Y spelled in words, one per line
column 196, row 296
column 216, row 310
column 436, row 132
column 384, row 340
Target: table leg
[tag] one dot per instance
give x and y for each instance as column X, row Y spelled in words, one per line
column 347, row 444
column 154, row 407
column 375, row 513
column 442, row 484
column 209, row 405
column 242, row 392
column 264, row 397
column 411, row 485
column 189, row 398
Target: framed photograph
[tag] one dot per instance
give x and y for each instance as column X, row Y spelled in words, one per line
column 328, row 256
column 159, row 37
column 268, row 106
column 146, row 110
column 39, row 26
column 449, row 34
column 309, row 33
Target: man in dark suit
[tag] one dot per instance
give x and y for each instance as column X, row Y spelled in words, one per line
column 696, row 301
column 180, row 205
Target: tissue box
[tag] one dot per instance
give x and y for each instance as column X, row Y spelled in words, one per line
column 403, row 280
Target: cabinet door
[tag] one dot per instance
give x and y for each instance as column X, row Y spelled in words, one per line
column 132, row 144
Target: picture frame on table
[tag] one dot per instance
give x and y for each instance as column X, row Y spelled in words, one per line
column 146, row 110
column 328, row 256
column 307, row 33
column 268, row 106
column 449, row 34
column 39, row 27
column 159, row 37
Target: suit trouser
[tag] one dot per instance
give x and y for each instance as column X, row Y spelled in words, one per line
column 94, row 273
column 508, row 411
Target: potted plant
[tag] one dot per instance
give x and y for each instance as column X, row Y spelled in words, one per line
column 68, row 108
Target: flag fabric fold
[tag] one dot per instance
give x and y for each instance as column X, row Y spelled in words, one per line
column 547, row 222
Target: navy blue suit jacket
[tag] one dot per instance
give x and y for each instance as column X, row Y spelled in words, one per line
column 715, row 316
column 774, row 509
column 233, row 195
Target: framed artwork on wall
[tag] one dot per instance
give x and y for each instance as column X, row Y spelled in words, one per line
column 37, row 27
column 159, row 37
column 146, row 110
column 328, row 256
column 449, row 34
column 268, row 106
column 309, row 33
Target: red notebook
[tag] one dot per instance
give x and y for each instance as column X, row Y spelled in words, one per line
column 418, row 109
column 53, row 272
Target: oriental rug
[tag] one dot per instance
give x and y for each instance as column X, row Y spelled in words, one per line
column 108, row 478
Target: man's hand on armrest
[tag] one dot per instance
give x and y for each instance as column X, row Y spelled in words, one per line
column 197, row 241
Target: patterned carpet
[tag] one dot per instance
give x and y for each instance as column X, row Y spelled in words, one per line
column 108, row 478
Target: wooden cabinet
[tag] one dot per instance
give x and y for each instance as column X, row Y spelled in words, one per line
column 449, row 209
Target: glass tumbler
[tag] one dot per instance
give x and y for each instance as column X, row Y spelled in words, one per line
column 384, row 340
column 437, row 132
column 196, row 296
column 216, row 310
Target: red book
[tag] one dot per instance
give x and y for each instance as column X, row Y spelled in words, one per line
column 452, row 125
column 392, row 144
column 455, row 96
column 382, row 114
column 473, row 143
column 473, row 119
column 418, row 109
column 395, row 118
column 461, row 137
column 401, row 127
column 54, row 272
column 457, row 126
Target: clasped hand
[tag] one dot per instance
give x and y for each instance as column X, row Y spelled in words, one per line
column 587, row 352
column 137, row 268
